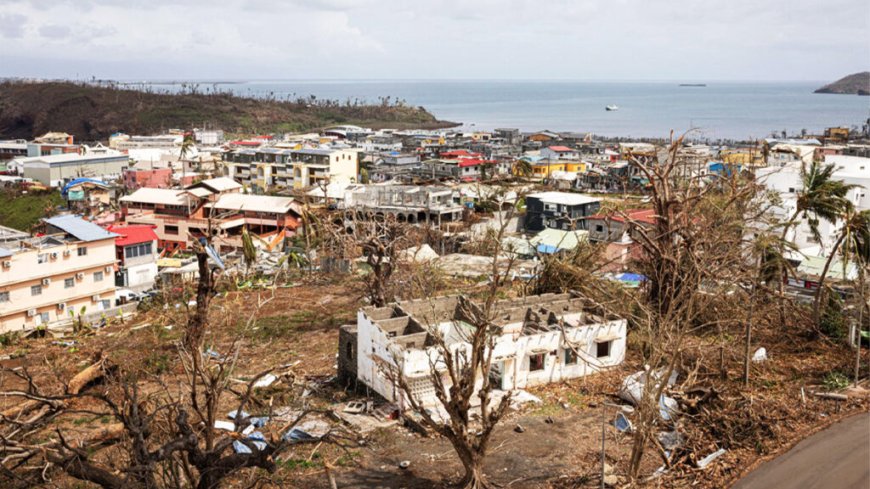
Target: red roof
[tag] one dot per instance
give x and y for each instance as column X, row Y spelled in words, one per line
column 130, row 235
column 458, row 152
column 637, row 215
column 561, row 149
column 246, row 143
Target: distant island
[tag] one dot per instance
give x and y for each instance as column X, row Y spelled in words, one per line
column 96, row 111
column 693, row 84
column 855, row 84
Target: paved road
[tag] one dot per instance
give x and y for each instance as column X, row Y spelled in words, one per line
column 835, row 458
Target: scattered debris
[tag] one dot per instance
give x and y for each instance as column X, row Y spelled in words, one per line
column 519, row 429
column 307, row 431
column 622, row 423
column 760, row 355
column 214, row 355
column 404, row 464
column 265, row 381
column 832, row 395
column 520, row 397
column 355, row 407
column 670, row 440
column 549, row 420
column 704, row 462
column 259, row 442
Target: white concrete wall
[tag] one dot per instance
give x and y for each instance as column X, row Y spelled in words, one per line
column 376, row 350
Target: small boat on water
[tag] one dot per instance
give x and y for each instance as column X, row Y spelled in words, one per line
column 611, row 108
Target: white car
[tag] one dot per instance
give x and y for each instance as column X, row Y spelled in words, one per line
column 123, row 296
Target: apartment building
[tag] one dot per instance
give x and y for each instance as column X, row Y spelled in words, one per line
column 265, row 168
column 45, row 278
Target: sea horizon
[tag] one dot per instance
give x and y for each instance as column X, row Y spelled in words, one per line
column 719, row 111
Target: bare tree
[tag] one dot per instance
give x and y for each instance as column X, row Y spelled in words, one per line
column 165, row 438
column 460, row 373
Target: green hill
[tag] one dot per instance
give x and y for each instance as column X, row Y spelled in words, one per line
column 91, row 112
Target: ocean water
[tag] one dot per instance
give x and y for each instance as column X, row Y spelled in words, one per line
column 720, row 110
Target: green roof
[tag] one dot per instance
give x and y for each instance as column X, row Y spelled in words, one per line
column 813, row 266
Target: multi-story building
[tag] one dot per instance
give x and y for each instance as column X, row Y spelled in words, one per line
column 43, row 279
column 407, row 203
column 559, row 210
column 136, row 252
column 181, row 216
column 265, row 168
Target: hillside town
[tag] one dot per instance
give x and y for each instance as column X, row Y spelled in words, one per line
column 498, row 272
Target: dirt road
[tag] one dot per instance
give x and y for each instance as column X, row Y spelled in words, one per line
column 835, row 458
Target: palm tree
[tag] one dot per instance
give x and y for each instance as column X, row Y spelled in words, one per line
column 522, row 168
column 820, row 197
column 853, row 244
column 187, row 145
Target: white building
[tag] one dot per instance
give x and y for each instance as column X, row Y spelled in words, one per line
column 545, row 338
column 786, row 181
column 54, row 170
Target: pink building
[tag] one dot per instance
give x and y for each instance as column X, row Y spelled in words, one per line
column 157, row 178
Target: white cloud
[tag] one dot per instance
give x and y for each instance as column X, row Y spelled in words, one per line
column 624, row 39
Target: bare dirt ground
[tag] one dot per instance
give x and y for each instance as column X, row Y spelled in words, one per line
column 299, row 325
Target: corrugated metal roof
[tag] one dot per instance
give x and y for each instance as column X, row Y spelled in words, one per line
column 78, row 227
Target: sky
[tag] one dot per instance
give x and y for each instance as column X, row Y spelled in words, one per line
column 435, row 39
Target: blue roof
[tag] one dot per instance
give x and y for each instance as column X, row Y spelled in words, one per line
column 5, row 253
column 78, row 227
column 78, row 181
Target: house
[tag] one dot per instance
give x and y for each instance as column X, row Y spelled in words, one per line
column 153, row 178
column 616, row 231
column 181, row 216
column 15, row 148
column 540, row 339
column 54, row 170
column 86, row 194
column 136, row 252
column 559, row 210
column 559, row 153
column 45, row 278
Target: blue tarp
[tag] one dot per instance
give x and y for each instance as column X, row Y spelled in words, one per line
column 79, row 181
column 547, row 249
column 630, row 277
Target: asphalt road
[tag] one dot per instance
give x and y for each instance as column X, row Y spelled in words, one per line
column 835, row 458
